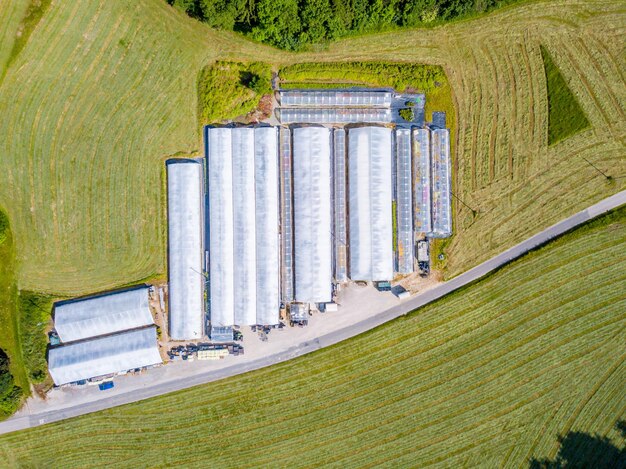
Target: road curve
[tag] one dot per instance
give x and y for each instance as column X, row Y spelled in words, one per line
column 33, row 420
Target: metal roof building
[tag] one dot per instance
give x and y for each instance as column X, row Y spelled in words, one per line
column 104, row 355
column 103, row 314
column 312, row 214
column 186, row 282
column 370, row 195
column 244, row 254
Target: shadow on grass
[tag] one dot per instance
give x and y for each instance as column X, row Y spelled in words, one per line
column 581, row 450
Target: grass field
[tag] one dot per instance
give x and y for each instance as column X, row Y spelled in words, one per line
column 565, row 116
column 9, row 337
column 488, row 376
column 93, row 108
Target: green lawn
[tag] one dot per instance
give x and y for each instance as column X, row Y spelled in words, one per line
column 9, row 338
column 489, row 376
column 565, row 116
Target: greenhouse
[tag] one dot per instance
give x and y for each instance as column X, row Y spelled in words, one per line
column 286, row 215
column 103, row 314
column 312, row 214
column 267, row 223
column 404, row 208
column 184, row 193
column 421, row 181
column 441, row 212
column 339, row 98
column 339, row 179
column 244, row 254
column 244, row 226
column 334, row 115
column 369, row 195
column 104, row 356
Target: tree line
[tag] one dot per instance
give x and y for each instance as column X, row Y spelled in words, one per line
column 294, row 24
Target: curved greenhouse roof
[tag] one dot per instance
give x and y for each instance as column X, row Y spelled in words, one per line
column 104, row 314
column 104, row 355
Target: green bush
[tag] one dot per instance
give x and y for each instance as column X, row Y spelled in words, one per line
column 227, row 90
column 35, row 311
column 406, row 113
column 10, row 394
column 399, row 76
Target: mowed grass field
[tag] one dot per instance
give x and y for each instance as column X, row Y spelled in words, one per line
column 103, row 92
column 488, row 376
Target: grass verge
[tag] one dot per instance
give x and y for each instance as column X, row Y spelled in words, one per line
column 227, row 90
column 9, row 338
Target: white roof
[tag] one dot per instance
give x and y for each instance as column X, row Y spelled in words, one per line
column 244, row 223
column 370, row 194
column 104, row 355
column 221, row 227
column 104, row 314
column 312, row 214
column 243, row 226
column 267, row 197
column 184, row 193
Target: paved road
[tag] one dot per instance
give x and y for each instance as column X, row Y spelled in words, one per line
column 33, row 420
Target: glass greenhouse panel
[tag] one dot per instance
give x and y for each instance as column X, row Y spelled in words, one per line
column 442, row 213
column 404, row 208
column 421, row 181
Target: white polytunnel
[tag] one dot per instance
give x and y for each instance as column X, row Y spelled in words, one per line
column 103, row 314
column 221, row 227
column 244, row 216
column 186, row 282
column 312, row 214
column 267, row 222
column 104, row 355
column 370, row 194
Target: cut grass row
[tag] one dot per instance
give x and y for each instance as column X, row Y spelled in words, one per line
column 94, row 108
column 488, row 376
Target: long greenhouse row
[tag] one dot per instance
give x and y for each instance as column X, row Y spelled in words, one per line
column 292, row 211
column 243, row 204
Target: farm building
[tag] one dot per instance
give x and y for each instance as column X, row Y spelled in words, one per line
column 312, row 214
column 243, row 224
column 370, row 196
column 104, row 355
column 186, row 281
column 103, row 314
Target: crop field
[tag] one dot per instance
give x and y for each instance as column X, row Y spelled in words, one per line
column 93, row 107
column 488, row 376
